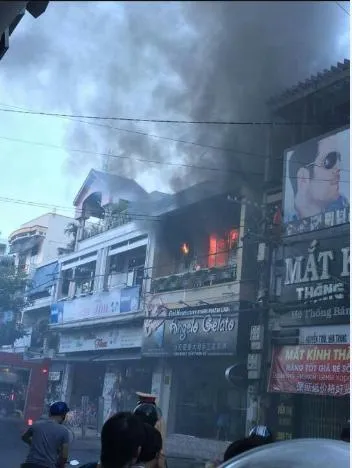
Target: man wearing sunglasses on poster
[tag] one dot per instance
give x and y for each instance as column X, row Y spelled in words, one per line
column 314, row 171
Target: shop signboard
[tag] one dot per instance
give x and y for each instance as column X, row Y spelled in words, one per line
column 54, row 376
column 101, row 305
column 209, row 330
column 92, row 340
column 334, row 334
column 316, row 282
column 316, row 183
column 312, row 370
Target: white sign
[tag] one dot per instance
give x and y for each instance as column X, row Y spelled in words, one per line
column 333, row 334
column 54, row 376
column 91, row 340
column 105, row 304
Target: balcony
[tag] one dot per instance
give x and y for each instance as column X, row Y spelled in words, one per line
column 96, row 229
column 195, row 279
column 26, row 238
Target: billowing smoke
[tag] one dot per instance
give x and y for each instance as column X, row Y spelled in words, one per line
column 191, row 60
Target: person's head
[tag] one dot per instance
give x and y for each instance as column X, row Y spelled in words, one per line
column 243, row 445
column 58, row 411
column 314, row 171
column 345, row 434
column 151, row 447
column 122, row 439
column 147, row 412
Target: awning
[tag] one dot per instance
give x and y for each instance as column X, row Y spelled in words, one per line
column 93, row 357
column 44, row 278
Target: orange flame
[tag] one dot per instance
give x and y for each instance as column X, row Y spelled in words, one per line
column 185, row 248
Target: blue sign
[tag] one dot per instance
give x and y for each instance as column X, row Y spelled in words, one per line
column 129, row 300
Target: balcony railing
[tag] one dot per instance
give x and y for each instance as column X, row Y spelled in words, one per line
column 115, row 222
column 195, row 279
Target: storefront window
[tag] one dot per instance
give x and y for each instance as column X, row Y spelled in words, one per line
column 206, row 405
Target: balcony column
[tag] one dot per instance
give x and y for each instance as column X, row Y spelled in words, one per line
column 149, row 263
column 101, row 270
column 161, row 388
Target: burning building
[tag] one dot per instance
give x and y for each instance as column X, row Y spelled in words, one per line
column 199, row 308
column 179, row 264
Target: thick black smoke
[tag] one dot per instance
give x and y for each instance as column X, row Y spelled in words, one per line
column 243, row 53
column 191, row 60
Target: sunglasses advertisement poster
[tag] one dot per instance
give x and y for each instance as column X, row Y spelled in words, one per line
column 316, row 183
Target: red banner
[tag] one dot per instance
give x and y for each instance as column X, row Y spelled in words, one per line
column 313, row 370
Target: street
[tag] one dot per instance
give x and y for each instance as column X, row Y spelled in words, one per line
column 13, row 457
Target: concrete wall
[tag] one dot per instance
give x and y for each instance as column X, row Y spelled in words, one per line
column 55, row 236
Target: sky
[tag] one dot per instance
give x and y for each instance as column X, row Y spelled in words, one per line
column 154, row 60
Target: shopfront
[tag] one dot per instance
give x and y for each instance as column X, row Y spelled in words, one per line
column 309, row 380
column 102, row 363
column 198, row 345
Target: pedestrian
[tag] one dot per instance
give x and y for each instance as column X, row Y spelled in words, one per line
column 128, row 442
column 48, row 440
column 223, row 424
column 151, row 454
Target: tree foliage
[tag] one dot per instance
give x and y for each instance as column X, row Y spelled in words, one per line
column 12, row 300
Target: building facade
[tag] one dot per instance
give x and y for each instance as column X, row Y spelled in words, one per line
column 37, row 241
column 308, row 313
column 199, row 311
column 97, row 311
column 34, row 250
column 159, row 291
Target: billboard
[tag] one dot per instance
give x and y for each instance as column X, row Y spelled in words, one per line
column 316, row 281
column 101, row 305
column 209, row 330
column 114, row 338
column 311, row 370
column 316, row 183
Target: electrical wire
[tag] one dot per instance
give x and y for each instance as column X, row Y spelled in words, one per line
column 169, row 121
column 176, row 140
column 155, row 161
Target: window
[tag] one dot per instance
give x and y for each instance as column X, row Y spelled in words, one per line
column 220, row 247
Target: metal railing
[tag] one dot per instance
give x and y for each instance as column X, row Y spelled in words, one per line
column 195, row 279
column 109, row 224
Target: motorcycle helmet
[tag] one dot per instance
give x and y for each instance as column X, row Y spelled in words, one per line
column 59, row 408
column 262, row 432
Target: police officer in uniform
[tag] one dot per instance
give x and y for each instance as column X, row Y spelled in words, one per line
column 150, row 413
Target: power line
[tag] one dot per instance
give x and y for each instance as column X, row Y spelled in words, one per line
column 152, row 135
column 343, row 8
column 175, row 140
column 143, row 160
column 132, row 217
column 169, row 121
column 155, row 161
